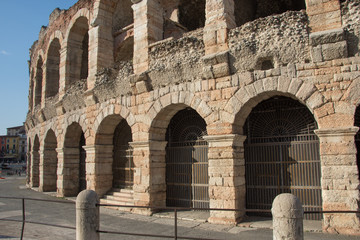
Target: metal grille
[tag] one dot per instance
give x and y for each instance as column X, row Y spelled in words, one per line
column 187, row 177
column 123, row 165
column 82, row 164
column 357, row 139
column 187, row 174
column 285, row 159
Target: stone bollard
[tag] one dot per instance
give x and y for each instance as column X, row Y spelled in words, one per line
column 87, row 216
column 288, row 215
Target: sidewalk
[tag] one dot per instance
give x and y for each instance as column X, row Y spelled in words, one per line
column 190, row 224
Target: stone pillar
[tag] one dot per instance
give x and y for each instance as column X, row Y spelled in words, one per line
column 99, row 175
column 226, row 177
column 148, row 28
column 48, row 170
column 101, row 41
column 62, row 72
column 323, row 15
column 288, row 216
column 149, row 175
column 28, row 168
column 339, row 180
column 41, row 169
column 87, row 216
column 35, row 160
column 68, row 172
column 327, row 38
column 219, row 19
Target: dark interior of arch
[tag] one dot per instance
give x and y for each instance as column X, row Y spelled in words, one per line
column 357, row 138
column 279, row 118
column 186, row 125
column 52, row 68
column 192, row 14
column 123, row 15
column 249, row 10
column 39, row 79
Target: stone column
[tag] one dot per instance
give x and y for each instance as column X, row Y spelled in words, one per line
column 148, row 28
column 34, row 174
column 28, row 168
column 339, row 180
column 327, row 38
column 99, row 175
column 149, row 175
column 62, row 72
column 68, row 172
column 219, row 19
column 226, row 177
column 323, row 15
column 101, row 41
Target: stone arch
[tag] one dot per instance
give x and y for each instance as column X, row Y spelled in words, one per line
column 249, row 10
column 52, row 82
column 165, row 107
column 48, row 180
column 281, row 154
column 182, row 16
column 246, row 98
column 74, row 158
column 112, row 140
column 35, row 162
column 77, row 45
column 113, row 109
column 38, row 81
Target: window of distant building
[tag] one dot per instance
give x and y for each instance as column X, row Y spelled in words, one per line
column 8, row 141
column 14, row 140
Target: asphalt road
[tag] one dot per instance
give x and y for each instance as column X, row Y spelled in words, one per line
column 63, row 214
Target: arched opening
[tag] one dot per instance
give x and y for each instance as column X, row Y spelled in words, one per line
column 249, row 10
column 50, row 163
column 123, row 31
column 182, row 16
column 282, row 155
column 31, row 90
column 123, row 165
column 114, row 136
column 187, row 180
column 52, row 69
column 35, row 163
column 39, row 80
column 78, row 53
column 357, row 138
column 74, row 160
column 29, row 162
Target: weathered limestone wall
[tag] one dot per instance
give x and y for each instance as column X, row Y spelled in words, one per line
column 222, row 72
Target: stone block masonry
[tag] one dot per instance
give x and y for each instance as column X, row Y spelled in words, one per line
column 132, row 81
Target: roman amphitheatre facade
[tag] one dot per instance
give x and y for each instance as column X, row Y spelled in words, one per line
column 200, row 103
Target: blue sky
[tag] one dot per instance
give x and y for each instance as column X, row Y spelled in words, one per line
column 21, row 21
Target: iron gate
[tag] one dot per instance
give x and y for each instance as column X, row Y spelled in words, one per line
column 123, row 163
column 292, row 167
column 123, row 167
column 282, row 155
column 187, row 174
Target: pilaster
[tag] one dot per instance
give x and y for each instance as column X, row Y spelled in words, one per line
column 149, row 175
column 99, row 175
column 339, row 180
column 148, row 28
column 226, row 177
column 68, row 171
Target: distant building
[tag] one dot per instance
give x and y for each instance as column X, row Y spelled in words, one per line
column 13, row 146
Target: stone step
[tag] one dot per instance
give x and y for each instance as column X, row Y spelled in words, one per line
column 107, row 201
column 119, row 198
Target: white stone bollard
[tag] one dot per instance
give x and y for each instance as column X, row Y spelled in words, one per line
column 288, row 215
column 87, row 216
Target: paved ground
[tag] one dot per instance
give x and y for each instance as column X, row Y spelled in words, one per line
column 112, row 220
